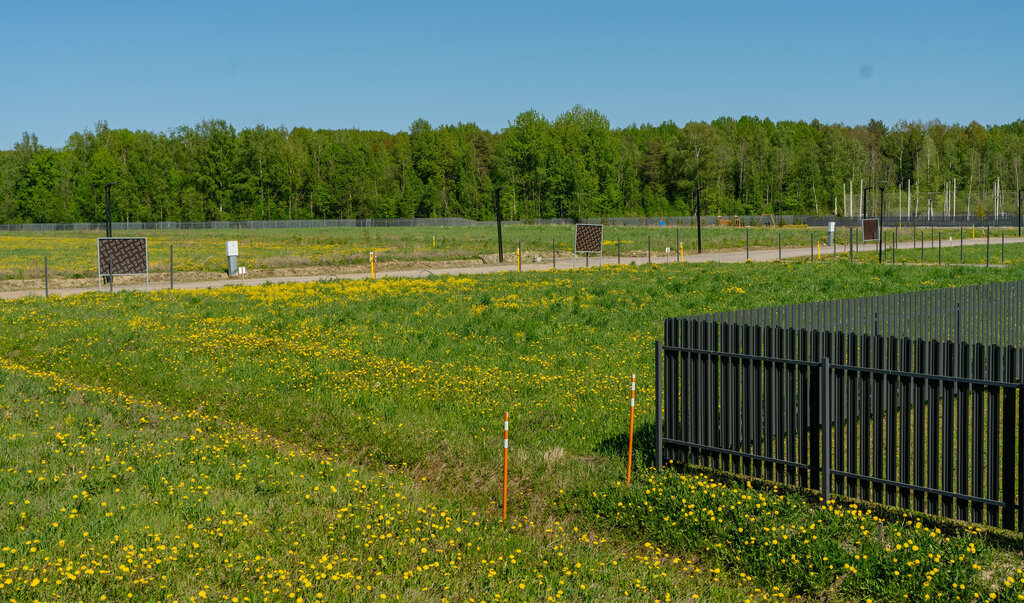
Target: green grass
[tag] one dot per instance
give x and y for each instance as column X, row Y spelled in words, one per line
column 201, row 252
column 993, row 254
column 406, row 381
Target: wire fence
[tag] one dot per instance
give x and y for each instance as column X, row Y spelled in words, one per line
column 1011, row 221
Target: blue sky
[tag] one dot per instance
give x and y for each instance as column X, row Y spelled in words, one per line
column 380, row 65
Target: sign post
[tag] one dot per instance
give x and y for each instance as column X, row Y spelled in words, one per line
column 125, row 256
column 588, row 239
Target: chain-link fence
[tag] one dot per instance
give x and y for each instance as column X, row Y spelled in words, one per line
column 1012, row 221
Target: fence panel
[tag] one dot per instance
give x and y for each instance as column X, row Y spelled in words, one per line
column 916, row 420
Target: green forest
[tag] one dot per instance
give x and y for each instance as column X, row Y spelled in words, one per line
column 576, row 165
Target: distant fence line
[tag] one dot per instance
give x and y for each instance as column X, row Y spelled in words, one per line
column 1010, row 221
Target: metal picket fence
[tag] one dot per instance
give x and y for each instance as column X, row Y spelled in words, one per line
column 892, row 399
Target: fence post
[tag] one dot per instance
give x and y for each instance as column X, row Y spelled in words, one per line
column 987, row 242
column 940, row 250
column 172, row 266
column 648, row 249
column 657, row 406
column 1002, row 257
column 748, row 242
column 46, row 275
column 851, row 243
column 826, row 428
column 780, row 245
column 961, row 244
column 1020, row 465
column 618, row 252
column 1009, row 452
column 552, row 253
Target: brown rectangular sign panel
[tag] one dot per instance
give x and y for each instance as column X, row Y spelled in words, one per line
column 122, row 256
column 870, row 229
column 589, row 238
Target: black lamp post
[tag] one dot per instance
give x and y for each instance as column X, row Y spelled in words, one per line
column 497, row 216
column 107, row 195
column 700, row 246
column 881, row 215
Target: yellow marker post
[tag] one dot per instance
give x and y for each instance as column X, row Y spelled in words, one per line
column 433, row 242
column 519, row 259
column 373, row 266
column 681, row 257
column 819, row 250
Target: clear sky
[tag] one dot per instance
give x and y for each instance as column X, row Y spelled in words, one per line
column 376, row 65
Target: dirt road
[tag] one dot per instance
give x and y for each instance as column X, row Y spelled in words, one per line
column 531, row 263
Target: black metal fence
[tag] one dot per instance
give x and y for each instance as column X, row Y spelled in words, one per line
column 917, row 419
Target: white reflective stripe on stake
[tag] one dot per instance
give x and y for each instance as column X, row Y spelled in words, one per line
column 506, row 442
column 506, row 425
column 632, row 392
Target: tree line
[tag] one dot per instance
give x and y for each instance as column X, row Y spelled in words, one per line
column 576, row 165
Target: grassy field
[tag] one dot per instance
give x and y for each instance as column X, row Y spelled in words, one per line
column 200, row 253
column 343, row 440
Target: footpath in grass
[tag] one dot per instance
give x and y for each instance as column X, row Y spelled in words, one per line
column 413, row 376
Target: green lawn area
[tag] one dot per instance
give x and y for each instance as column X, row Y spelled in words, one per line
column 344, row 439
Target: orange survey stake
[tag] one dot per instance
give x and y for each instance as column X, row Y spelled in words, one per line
column 504, row 479
column 632, row 405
